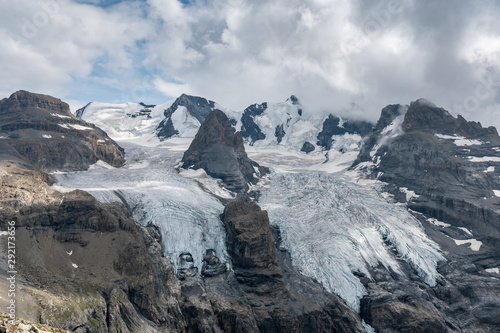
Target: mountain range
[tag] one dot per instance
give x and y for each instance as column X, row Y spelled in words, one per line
column 190, row 217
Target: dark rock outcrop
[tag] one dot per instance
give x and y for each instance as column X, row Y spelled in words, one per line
column 221, row 153
column 263, row 293
column 332, row 126
column 43, row 130
column 307, row 147
column 249, row 128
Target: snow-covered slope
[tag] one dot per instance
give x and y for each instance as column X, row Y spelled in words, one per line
column 284, row 124
column 124, row 121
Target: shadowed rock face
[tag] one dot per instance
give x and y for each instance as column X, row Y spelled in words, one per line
column 452, row 165
column 43, row 130
column 221, row 153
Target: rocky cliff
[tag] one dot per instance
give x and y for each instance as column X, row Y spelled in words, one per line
column 43, row 130
column 445, row 170
column 262, row 292
column 221, row 153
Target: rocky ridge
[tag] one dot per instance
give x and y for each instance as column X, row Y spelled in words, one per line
column 84, row 266
column 43, row 130
column 444, row 169
column 264, row 123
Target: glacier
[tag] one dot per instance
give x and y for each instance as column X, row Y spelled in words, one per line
column 187, row 216
column 334, row 228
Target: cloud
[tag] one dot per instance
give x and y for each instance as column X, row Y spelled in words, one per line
column 350, row 58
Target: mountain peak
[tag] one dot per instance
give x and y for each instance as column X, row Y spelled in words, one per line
column 23, row 99
column 221, row 153
column 425, row 116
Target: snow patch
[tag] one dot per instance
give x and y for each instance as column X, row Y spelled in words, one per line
column 59, row 115
column 208, row 183
column 460, row 140
column 497, row 193
column 467, row 231
column 438, row 223
column 69, row 253
column 74, row 265
column 4, row 233
column 409, row 194
column 47, row 136
column 76, row 126
column 475, row 245
column 493, row 270
column 490, row 169
column 484, row 159
column 185, row 123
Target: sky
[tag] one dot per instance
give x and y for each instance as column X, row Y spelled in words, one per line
column 349, row 58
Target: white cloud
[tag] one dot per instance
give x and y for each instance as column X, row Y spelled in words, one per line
column 336, row 56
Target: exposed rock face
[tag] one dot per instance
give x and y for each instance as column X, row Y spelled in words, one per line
column 263, row 293
column 452, row 166
column 249, row 128
column 307, row 147
column 332, row 126
column 221, row 153
column 43, row 130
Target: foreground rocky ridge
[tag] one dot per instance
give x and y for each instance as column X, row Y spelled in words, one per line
column 84, row 266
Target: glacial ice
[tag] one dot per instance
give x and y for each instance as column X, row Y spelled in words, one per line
column 332, row 228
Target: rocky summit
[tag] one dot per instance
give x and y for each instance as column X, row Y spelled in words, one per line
column 43, row 130
column 221, row 153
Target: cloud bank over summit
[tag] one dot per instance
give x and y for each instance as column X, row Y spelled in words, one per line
column 351, row 58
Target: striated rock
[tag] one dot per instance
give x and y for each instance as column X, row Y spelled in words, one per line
column 221, row 153
column 252, row 250
column 43, row 130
